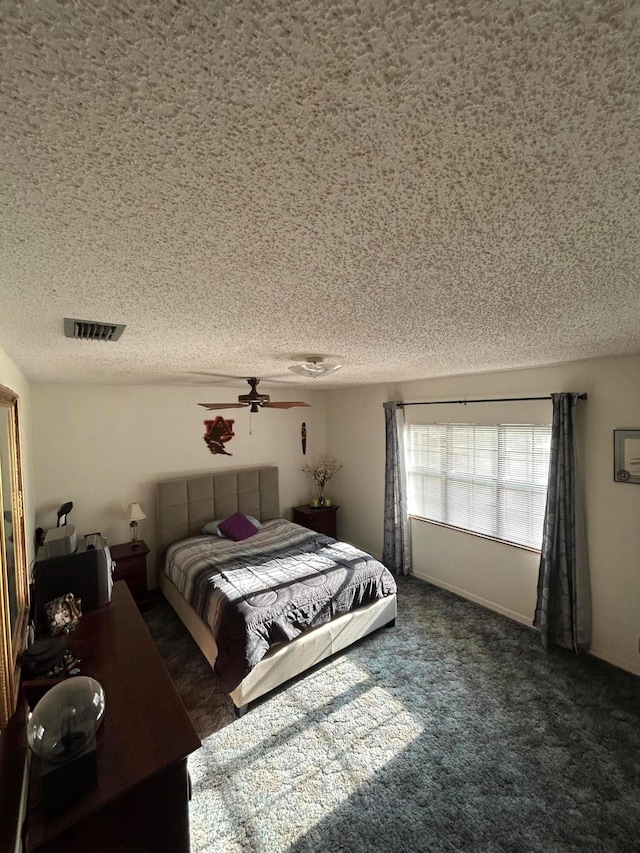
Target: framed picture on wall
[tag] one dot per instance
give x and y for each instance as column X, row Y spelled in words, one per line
column 626, row 455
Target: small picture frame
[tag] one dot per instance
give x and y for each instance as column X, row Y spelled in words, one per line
column 626, row 455
column 63, row 613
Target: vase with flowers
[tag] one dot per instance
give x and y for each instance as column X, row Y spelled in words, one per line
column 322, row 472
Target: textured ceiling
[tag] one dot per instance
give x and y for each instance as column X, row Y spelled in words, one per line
column 413, row 189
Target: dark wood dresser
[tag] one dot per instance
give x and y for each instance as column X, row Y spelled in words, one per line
column 322, row 519
column 141, row 802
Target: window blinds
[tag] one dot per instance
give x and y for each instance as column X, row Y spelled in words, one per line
column 484, row 479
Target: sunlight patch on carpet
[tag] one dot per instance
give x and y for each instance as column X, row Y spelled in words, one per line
column 268, row 778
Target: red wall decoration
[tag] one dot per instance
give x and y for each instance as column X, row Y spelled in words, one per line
column 217, row 433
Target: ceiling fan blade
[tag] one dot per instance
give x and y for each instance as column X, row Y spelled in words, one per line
column 229, row 379
column 282, row 405
column 212, row 406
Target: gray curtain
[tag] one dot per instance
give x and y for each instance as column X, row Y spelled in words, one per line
column 396, row 553
column 563, row 610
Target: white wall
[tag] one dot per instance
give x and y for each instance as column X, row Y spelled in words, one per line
column 102, row 447
column 13, row 378
column 500, row 576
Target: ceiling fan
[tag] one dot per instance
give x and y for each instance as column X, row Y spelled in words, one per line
column 253, row 399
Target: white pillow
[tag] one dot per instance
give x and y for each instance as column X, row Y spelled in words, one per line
column 212, row 526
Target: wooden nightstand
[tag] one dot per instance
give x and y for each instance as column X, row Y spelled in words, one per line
column 322, row 519
column 131, row 566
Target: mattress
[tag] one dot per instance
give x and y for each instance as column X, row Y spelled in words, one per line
column 271, row 588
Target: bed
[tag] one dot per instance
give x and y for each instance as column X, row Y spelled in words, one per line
column 339, row 596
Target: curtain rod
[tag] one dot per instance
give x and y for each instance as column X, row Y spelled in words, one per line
column 493, row 400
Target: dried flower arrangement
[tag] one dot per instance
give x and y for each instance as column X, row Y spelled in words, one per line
column 323, row 472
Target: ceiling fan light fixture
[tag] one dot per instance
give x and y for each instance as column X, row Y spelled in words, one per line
column 314, row 367
column 254, row 401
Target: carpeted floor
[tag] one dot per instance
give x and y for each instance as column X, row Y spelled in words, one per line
column 453, row 731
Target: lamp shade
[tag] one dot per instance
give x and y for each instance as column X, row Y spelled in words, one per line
column 135, row 513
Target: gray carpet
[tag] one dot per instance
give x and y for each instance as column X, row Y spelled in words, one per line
column 453, row 731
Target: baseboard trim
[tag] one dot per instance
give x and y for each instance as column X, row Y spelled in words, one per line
column 614, row 660
column 490, row 605
column 632, row 667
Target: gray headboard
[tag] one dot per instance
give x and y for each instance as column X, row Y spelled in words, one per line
column 186, row 504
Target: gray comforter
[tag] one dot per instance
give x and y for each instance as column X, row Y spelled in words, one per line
column 270, row 588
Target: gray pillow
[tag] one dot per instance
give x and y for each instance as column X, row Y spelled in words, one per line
column 212, row 527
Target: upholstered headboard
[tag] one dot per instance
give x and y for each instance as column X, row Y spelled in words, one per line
column 186, row 504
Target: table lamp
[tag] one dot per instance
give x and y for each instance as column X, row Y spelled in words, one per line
column 135, row 514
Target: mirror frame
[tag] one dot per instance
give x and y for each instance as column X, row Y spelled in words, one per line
column 12, row 638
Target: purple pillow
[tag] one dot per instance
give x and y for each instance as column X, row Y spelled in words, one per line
column 237, row 527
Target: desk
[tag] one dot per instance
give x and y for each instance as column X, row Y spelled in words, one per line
column 141, row 801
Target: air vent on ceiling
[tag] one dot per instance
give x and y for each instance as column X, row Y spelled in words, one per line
column 87, row 330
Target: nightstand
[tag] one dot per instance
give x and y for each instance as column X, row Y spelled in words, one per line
column 131, row 566
column 322, row 519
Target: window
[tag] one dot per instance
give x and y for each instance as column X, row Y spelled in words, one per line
column 483, row 479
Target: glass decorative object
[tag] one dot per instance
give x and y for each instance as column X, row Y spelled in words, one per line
column 65, row 720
